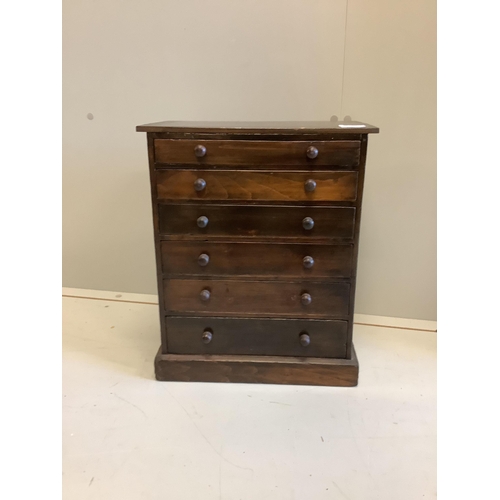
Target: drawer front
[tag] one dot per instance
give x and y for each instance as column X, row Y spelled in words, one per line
column 257, row 221
column 254, row 185
column 210, row 152
column 256, row 259
column 262, row 337
column 258, row 298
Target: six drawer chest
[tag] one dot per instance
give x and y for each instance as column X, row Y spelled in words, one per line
column 256, row 228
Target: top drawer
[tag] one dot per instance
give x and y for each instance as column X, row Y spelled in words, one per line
column 255, row 153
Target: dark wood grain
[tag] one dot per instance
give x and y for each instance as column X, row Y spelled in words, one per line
column 258, row 369
column 258, row 128
column 257, row 221
column 269, row 260
column 256, row 185
column 236, row 135
column 156, row 233
column 256, row 298
column 357, row 228
column 227, row 289
column 341, row 153
column 264, row 337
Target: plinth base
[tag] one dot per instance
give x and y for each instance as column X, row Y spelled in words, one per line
column 257, row 369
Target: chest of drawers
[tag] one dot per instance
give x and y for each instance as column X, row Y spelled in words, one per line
column 256, row 229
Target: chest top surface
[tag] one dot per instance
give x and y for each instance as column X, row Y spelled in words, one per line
column 275, row 127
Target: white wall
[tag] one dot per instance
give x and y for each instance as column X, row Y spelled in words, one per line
column 129, row 63
column 390, row 80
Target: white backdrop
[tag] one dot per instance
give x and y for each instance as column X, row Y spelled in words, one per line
column 129, row 63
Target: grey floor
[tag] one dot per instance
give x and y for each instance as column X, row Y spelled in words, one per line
column 127, row 436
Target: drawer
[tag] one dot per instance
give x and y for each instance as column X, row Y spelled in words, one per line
column 256, row 185
column 192, row 258
column 256, row 221
column 262, row 337
column 257, row 298
column 212, row 152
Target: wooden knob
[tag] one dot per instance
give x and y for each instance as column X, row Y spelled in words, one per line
column 203, row 259
column 200, row 151
column 207, row 337
column 304, row 339
column 306, row 299
column 308, row 223
column 205, row 295
column 310, row 185
column 200, row 184
column 308, row 262
column 312, row 152
column 202, row 221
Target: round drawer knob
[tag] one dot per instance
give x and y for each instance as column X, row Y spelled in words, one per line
column 205, row 295
column 200, row 184
column 306, row 299
column 203, row 259
column 312, row 152
column 202, row 221
column 308, row 223
column 308, row 262
column 310, row 185
column 200, row 151
column 207, row 337
column 304, row 339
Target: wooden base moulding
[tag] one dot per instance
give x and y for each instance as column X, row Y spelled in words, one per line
column 257, row 369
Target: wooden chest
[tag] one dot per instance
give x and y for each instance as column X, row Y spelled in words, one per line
column 256, row 230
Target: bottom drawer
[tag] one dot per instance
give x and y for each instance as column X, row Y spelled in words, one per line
column 263, row 337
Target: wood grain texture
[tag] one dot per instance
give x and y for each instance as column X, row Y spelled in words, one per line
column 258, row 369
column 156, row 234
column 357, row 228
column 256, row 298
column 244, row 245
column 236, row 135
column 235, row 152
column 177, row 184
column 268, row 260
column 264, row 337
column 257, row 221
column 282, row 128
